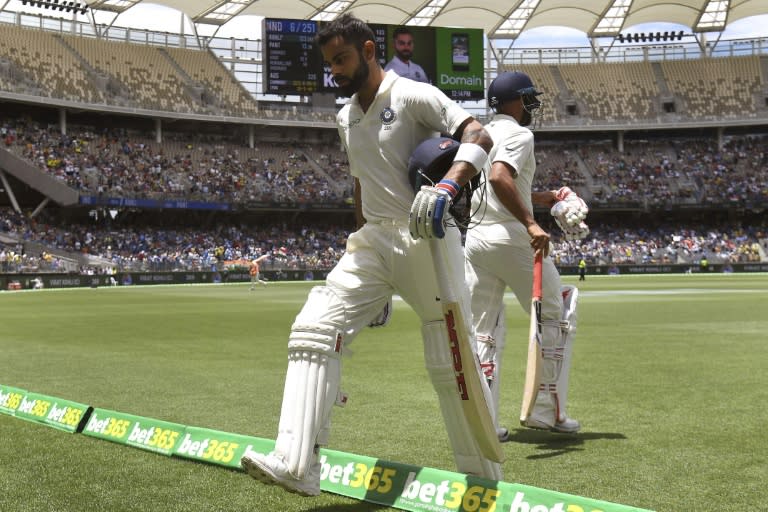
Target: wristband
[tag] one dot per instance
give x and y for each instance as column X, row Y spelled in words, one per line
column 449, row 186
column 473, row 154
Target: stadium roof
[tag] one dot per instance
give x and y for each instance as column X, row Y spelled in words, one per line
column 499, row 19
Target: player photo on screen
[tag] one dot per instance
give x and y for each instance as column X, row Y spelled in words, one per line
column 410, row 52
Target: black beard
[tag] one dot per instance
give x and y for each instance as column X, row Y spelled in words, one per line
column 526, row 118
column 357, row 80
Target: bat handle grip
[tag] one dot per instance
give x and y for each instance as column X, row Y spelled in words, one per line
column 537, row 271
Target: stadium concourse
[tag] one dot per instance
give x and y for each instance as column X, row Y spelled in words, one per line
column 189, row 165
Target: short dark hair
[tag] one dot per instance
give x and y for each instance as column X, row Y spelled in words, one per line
column 399, row 31
column 351, row 29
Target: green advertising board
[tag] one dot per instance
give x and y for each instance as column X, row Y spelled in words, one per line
column 460, row 63
column 144, row 433
column 401, row 486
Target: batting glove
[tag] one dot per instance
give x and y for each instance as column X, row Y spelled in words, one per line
column 569, row 212
column 429, row 209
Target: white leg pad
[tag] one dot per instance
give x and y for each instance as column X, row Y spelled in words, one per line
column 311, row 383
column 439, row 363
column 557, row 350
column 490, row 350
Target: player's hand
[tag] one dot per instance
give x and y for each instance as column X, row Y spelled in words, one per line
column 384, row 316
column 539, row 239
column 429, row 209
column 569, row 212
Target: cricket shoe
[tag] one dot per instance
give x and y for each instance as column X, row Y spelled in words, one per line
column 566, row 426
column 271, row 469
column 503, row 434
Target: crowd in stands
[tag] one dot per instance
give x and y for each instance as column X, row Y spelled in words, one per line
column 319, row 246
column 118, row 163
column 616, row 243
column 115, row 163
column 148, row 248
column 682, row 171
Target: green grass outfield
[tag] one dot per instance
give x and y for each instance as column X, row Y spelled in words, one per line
column 668, row 380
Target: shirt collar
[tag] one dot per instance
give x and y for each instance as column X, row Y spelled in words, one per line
column 505, row 117
column 384, row 86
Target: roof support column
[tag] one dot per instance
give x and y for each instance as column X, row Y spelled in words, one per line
column 9, row 192
column 62, row 121
column 158, row 130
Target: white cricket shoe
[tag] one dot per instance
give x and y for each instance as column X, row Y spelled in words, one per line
column 503, row 434
column 566, row 426
column 272, row 470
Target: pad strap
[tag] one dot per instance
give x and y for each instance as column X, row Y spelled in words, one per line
column 314, row 339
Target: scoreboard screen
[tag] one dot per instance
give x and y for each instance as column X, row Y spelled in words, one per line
column 293, row 62
column 450, row 59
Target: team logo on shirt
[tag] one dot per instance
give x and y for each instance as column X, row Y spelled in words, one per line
column 387, row 116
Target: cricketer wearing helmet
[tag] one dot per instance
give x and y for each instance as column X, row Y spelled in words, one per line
column 500, row 251
column 384, row 120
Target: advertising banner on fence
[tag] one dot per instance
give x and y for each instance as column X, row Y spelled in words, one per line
column 417, row 489
column 54, row 412
column 401, row 486
column 143, row 433
column 10, row 399
column 220, row 448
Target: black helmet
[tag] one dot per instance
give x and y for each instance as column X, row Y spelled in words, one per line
column 431, row 160
column 511, row 85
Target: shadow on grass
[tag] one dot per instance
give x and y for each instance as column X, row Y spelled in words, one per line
column 553, row 444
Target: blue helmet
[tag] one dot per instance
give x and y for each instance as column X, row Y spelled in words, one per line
column 511, row 85
column 431, row 160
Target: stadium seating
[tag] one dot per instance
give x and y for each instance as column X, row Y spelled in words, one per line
column 716, row 88
column 145, row 73
column 612, row 92
column 204, row 68
column 97, row 71
column 128, row 162
column 218, row 169
column 44, row 66
column 142, row 246
column 552, row 97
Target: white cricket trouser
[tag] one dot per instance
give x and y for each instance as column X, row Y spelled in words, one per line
column 492, row 265
column 381, row 258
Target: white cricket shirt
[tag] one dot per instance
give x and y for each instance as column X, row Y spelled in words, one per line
column 380, row 142
column 512, row 144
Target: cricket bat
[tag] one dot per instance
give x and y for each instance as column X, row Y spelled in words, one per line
column 465, row 364
column 533, row 367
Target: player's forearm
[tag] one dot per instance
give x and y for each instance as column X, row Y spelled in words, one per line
column 546, row 198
